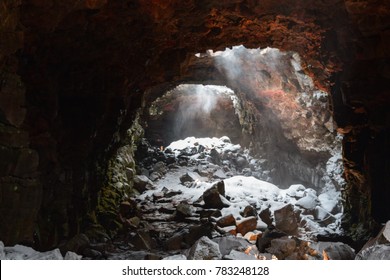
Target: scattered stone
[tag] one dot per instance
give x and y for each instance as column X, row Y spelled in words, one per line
column 308, row 202
column 324, row 217
column 334, row 250
column 329, row 201
column 133, row 222
column 20, row 252
column 246, row 225
column 213, row 198
column 285, row 219
column 219, row 174
column 237, row 255
column 77, row 244
column 160, row 167
column 226, row 221
column 249, row 211
column 197, row 231
column 263, row 242
column 142, row 240
column 383, row 237
column 297, row 191
column 175, row 242
column 225, row 139
column 92, row 253
column 241, row 161
column 158, row 195
column 204, row 249
column 376, row 252
column 228, row 243
column 265, row 216
column 282, row 247
column 72, row 256
column 206, row 213
column 183, row 210
column 227, row 230
column 251, row 236
column 152, row 257
column 176, row 257
column 189, row 177
column 154, row 176
column 142, row 183
column 215, row 157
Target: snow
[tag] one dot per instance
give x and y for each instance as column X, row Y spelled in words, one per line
column 241, row 191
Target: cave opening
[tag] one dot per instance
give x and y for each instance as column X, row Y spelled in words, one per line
column 254, row 142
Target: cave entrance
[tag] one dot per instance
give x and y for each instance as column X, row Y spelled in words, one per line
column 245, row 143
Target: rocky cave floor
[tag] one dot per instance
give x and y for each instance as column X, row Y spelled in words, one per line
column 206, row 198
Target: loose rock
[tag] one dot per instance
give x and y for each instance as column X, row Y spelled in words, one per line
column 285, row 219
column 246, row 225
column 204, row 249
column 226, row 221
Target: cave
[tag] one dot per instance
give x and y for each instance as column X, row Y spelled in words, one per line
column 95, row 93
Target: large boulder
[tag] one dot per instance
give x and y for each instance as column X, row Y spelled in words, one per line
column 204, row 249
column 285, row 219
column 377, row 252
column 213, row 197
column 334, row 250
column 228, row 243
column 282, row 247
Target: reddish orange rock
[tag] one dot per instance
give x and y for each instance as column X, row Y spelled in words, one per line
column 246, row 225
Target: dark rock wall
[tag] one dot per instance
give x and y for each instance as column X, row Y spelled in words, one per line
column 73, row 73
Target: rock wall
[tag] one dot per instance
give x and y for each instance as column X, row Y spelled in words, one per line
column 21, row 187
column 73, row 74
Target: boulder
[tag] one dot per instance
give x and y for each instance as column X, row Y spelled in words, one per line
column 383, row 237
column 237, row 255
column 297, row 191
column 77, row 244
column 324, row 217
column 285, row 219
column 376, row 252
column 219, row 174
column 142, row 240
column 183, row 210
column 214, row 199
column 308, row 202
column 227, row 230
column 175, row 242
column 246, row 225
column 249, row 211
column 226, row 221
column 189, row 177
column 142, row 183
column 282, row 247
column 334, row 250
column 204, row 249
column 225, row 139
column 329, row 201
column 228, row 243
column 265, row 216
